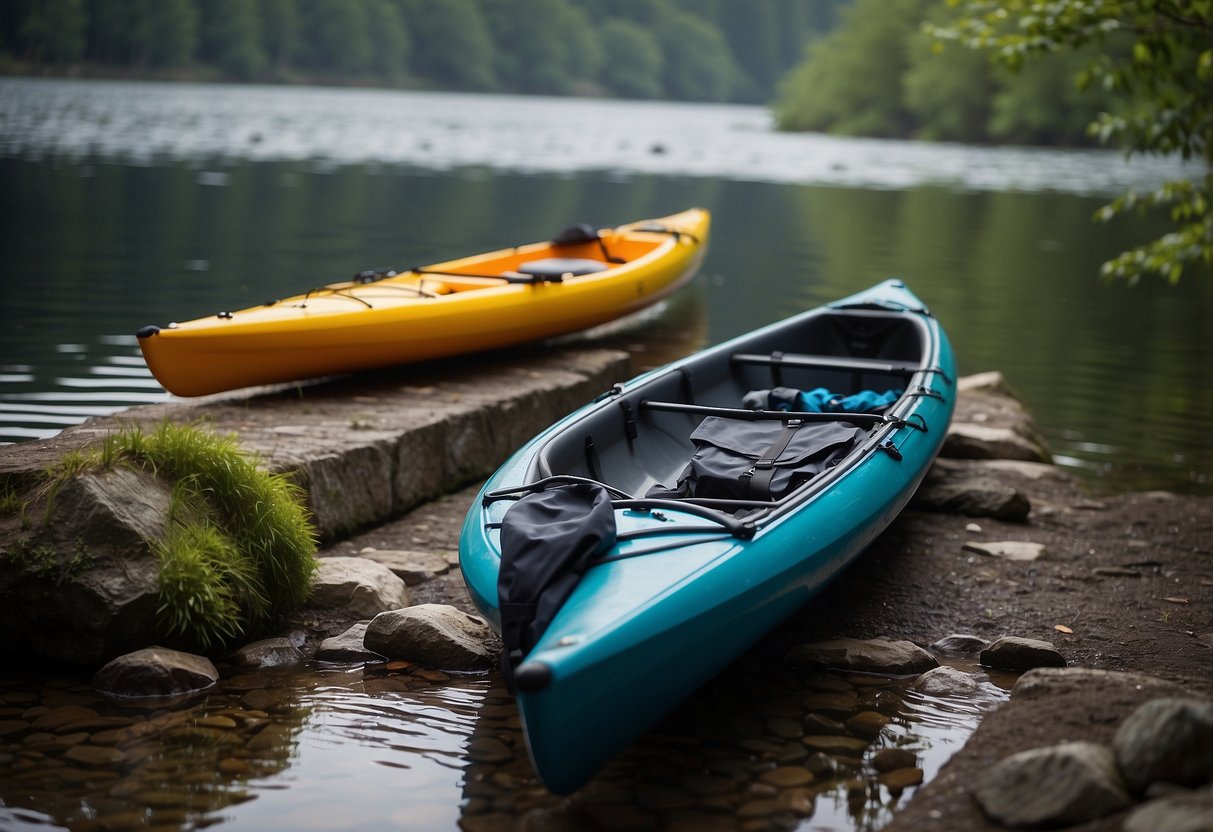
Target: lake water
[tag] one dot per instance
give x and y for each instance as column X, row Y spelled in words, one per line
column 127, row 204
column 134, row 203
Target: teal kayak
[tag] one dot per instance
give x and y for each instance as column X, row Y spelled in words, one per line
column 734, row 485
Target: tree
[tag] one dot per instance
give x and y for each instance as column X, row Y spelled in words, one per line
column 54, row 31
column 696, row 63
column 851, row 81
column 451, row 43
column 279, row 32
column 1158, row 55
column 632, row 59
column 230, row 37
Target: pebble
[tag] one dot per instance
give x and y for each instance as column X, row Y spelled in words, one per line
column 488, row 750
column 891, row 759
column 898, row 780
column 787, row 776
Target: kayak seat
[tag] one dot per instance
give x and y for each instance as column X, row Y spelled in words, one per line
column 561, row 267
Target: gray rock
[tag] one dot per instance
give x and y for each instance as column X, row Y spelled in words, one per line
column 1190, row 812
column 1019, row 550
column 873, row 656
column 156, row 671
column 1169, row 741
column 435, row 635
column 972, row 496
column 83, row 586
column 362, row 587
column 348, row 647
column 1020, row 654
column 1056, row 681
column 1060, row 785
column 412, row 567
column 946, row 681
column 967, row 440
column 269, row 652
column 959, row 644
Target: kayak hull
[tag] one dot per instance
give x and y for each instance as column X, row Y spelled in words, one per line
column 463, row 306
column 645, row 629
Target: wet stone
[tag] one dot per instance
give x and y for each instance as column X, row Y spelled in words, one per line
column 787, row 776
column 489, row 750
column 832, row 744
column 56, row 718
column 836, row 703
column 93, row 755
column 900, row 779
column 891, row 759
column 867, row 724
column 8, row 727
column 787, row 729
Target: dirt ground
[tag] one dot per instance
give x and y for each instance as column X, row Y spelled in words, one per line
column 1125, row 584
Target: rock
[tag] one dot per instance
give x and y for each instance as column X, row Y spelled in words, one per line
column 900, row 779
column 959, row 644
column 348, row 647
column 270, row 652
column 891, row 759
column 946, row 681
column 411, row 567
column 991, row 382
column 1049, row 682
column 156, row 671
column 83, row 587
column 868, row 724
column 435, row 635
column 1167, row 740
column 873, row 656
column 1059, row 785
column 1007, row 549
column 966, row 440
column 1020, row 654
column 1185, row 812
column 974, row 496
column 361, row 587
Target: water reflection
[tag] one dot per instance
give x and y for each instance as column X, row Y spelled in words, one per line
column 400, row 746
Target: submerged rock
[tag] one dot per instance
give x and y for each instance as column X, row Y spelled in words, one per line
column 1167, row 741
column 156, row 671
column 269, row 652
column 435, row 635
column 1020, row 654
column 1059, row 785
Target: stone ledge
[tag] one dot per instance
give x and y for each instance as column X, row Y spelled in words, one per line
column 368, row 448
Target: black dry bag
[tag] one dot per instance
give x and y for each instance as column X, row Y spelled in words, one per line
column 548, row 540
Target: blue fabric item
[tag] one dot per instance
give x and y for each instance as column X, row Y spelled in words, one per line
column 819, row 400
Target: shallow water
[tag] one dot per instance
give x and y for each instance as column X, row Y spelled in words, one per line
column 401, row 747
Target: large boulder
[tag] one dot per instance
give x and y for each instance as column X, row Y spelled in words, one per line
column 1059, row 785
column 80, row 583
column 1167, row 741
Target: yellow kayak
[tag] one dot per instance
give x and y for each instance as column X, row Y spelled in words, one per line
column 582, row 278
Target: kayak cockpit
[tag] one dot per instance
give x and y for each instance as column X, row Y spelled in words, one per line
column 796, row 404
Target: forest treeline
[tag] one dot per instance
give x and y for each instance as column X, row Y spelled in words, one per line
column 699, row 50
column 881, row 73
